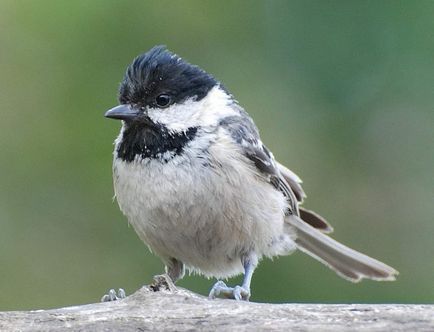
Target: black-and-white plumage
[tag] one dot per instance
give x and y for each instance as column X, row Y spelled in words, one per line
column 201, row 189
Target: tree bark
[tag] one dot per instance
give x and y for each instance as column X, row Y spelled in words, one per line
column 162, row 307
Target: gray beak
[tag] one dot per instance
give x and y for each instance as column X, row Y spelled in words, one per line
column 122, row 112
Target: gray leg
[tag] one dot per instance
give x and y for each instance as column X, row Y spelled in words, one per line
column 175, row 270
column 238, row 292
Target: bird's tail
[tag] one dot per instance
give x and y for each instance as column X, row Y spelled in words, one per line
column 346, row 262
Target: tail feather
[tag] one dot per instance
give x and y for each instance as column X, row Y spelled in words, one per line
column 315, row 220
column 346, row 262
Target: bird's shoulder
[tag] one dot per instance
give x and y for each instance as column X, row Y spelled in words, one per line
column 245, row 134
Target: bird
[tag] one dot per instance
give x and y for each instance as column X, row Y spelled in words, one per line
column 201, row 189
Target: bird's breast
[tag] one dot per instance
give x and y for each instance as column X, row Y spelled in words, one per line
column 200, row 208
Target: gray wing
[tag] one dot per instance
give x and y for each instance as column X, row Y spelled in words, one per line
column 293, row 180
column 244, row 132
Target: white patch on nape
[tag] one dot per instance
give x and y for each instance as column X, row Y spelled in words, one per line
column 191, row 113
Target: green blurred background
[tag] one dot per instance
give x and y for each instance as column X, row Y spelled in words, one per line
column 342, row 92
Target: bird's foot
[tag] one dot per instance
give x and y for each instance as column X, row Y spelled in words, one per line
column 112, row 295
column 238, row 292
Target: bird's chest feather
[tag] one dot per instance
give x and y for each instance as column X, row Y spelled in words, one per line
column 150, row 188
column 169, row 199
column 198, row 207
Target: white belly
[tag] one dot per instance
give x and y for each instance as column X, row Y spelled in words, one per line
column 205, row 217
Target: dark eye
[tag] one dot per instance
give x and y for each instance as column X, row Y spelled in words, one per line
column 163, row 100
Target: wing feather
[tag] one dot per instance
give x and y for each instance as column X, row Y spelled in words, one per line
column 244, row 132
column 293, row 180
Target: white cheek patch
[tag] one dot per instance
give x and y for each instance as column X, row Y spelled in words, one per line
column 191, row 113
column 176, row 117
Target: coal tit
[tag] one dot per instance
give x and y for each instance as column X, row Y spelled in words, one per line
column 200, row 188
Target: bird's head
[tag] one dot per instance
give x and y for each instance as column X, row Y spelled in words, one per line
column 160, row 88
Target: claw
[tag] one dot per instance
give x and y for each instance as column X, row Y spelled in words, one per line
column 217, row 289
column 238, row 292
column 121, row 293
column 113, row 296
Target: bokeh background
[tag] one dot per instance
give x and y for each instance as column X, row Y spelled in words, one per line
column 342, row 92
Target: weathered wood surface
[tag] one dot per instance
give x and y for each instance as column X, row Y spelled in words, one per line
column 159, row 307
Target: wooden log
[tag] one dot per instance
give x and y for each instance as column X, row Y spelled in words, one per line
column 162, row 307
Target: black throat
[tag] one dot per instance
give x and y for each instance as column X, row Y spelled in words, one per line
column 152, row 142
